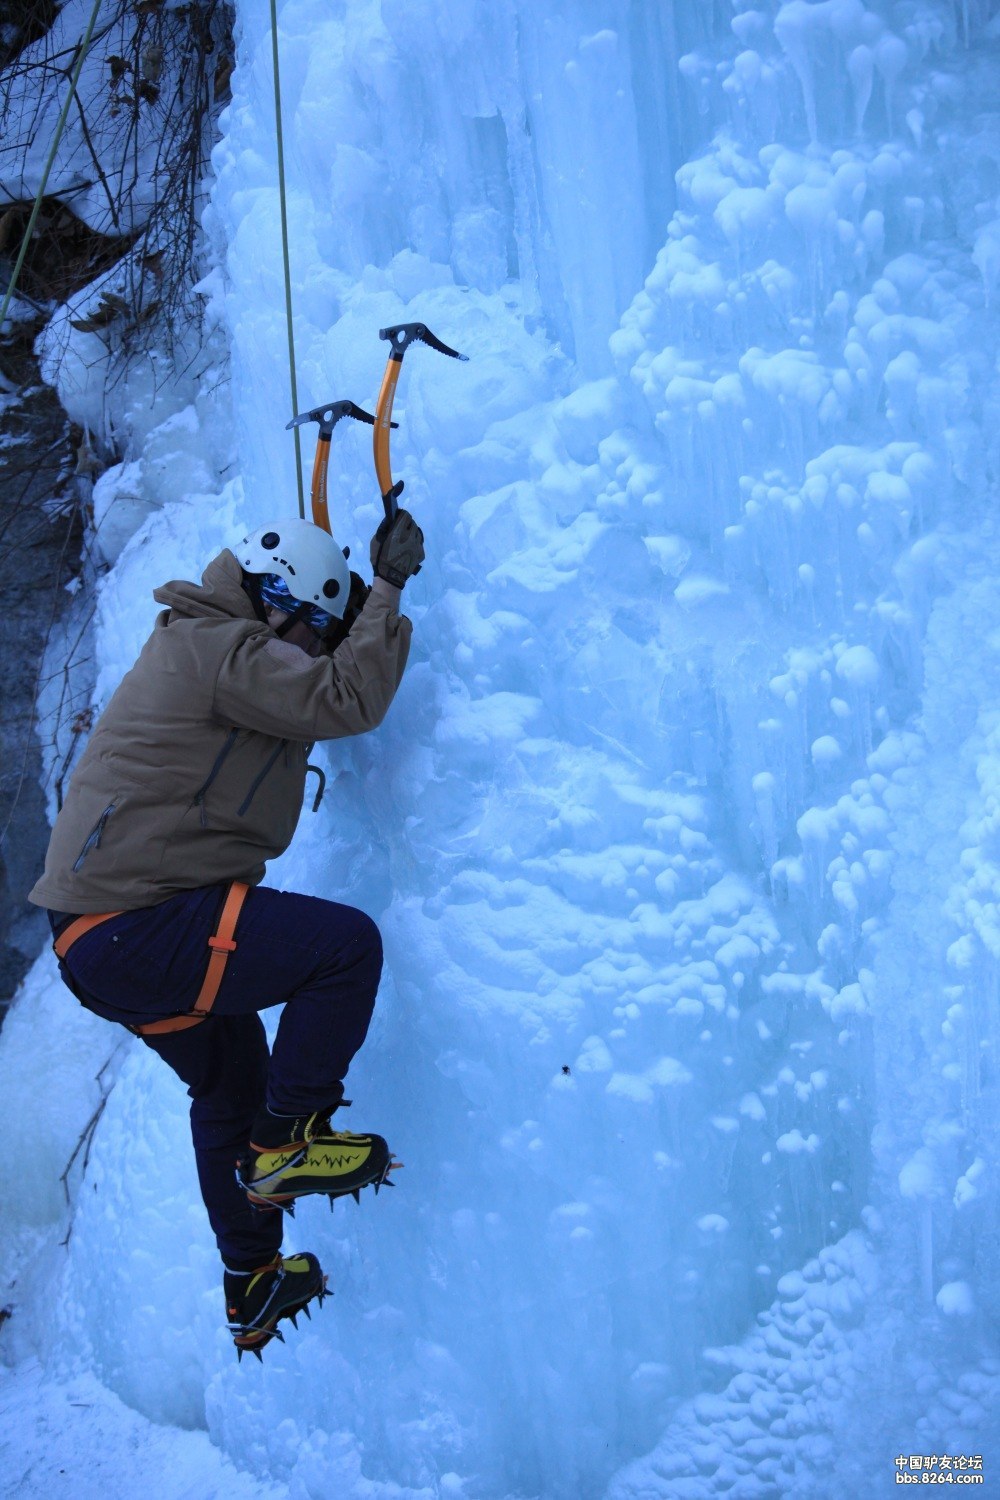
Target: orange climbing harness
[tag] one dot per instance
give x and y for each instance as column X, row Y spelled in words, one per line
column 221, row 943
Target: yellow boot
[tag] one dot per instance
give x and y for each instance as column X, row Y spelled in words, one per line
column 292, row 1155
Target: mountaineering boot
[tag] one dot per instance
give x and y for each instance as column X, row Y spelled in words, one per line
column 292, row 1155
column 256, row 1300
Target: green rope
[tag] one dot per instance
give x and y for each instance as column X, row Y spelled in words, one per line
column 82, row 51
column 284, row 251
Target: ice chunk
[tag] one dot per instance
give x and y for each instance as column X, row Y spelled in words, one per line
column 794, row 1143
column 858, row 666
column 956, row 1300
column 825, row 751
column 697, row 589
column 918, row 1178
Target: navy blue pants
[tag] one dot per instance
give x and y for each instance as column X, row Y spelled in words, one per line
column 322, row 961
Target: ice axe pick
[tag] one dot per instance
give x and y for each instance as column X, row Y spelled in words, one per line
column 327, row 417
column 401, row 336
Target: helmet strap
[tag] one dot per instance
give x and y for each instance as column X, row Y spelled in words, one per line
column 251, row 587
column 293, row 619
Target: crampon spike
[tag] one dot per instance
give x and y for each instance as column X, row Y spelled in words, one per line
column 356, row 1194
column 305, row 1309
column 293, row 1320
column 258, row 1354
column 385, row 1180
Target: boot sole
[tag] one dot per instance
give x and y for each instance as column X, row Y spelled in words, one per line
column 376, row 1179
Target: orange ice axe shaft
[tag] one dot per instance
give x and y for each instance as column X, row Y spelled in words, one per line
column 400, row 337
column 327, row 417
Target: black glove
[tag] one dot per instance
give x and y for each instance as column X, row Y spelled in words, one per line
column 397, row 549
column 339, row 629
column 355, row 599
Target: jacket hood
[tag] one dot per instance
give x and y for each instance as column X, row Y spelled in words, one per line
column 220, row 594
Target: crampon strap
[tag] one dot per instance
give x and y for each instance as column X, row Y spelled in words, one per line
column 221, row 944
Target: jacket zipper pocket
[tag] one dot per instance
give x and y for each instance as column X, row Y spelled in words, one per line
column 199, row 796
column 259, row 778
column 94, row 837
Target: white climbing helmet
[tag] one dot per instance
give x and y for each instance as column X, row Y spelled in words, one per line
column 306, row 557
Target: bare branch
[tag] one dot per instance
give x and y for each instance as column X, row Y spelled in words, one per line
column 85, row 1140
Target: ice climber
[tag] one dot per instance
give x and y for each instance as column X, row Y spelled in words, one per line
column 193, row 778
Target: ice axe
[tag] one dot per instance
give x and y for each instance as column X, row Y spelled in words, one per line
column 327, row 417
column 400, row 337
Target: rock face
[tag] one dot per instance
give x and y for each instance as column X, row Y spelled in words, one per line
column 39, row 554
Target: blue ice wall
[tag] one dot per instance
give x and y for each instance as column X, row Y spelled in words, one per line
column 681, row 829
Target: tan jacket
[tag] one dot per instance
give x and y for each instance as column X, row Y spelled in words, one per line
column 196, row 770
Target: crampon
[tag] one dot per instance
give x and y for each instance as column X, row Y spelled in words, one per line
column 290, row 1157
column 256, row 1301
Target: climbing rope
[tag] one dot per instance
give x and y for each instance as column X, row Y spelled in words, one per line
column 284, row 252
column 82, row 50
